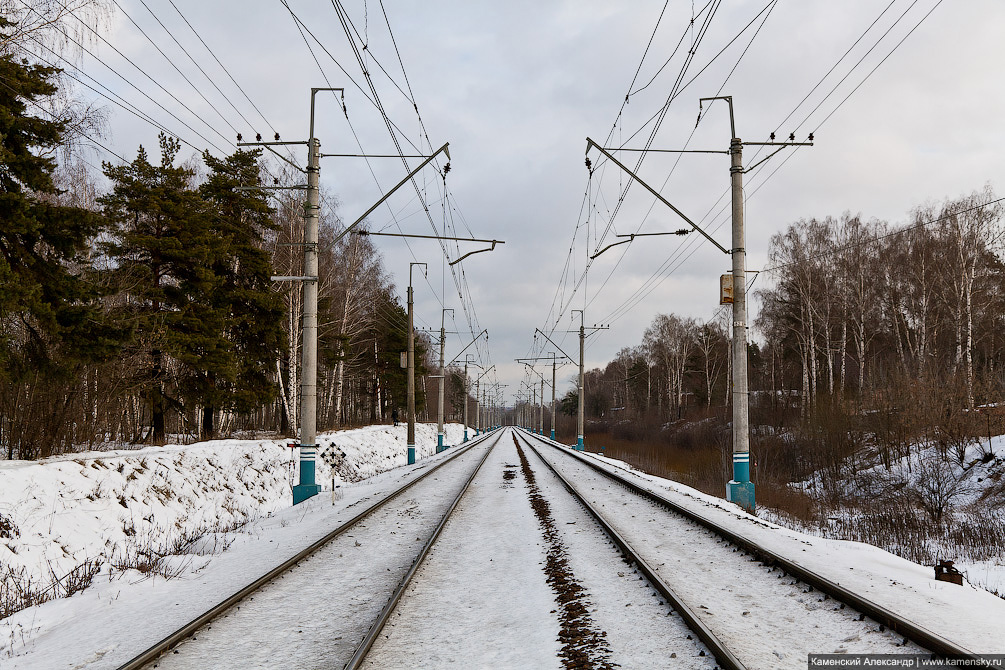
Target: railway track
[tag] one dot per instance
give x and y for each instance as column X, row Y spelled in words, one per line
column 740, row 624
column 541, row 588
column 228, row 636
column 517, row 552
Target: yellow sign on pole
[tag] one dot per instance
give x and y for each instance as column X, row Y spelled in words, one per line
column 726, row 289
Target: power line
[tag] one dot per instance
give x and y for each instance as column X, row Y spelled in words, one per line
column 141, row 70
column 172, row 63
column 659, row 116
column 196, row 63
column 897, row 46
column 652, row 283
column 53, row 116
column 222, row 66
column 109, row 95
column 645, row 218
column 123, row 78
column 116, row 98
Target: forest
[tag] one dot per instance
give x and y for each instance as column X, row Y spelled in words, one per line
column 136, row 300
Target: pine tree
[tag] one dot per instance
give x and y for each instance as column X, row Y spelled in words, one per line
column 50, row 323
column 163, row 254
column 252, row 313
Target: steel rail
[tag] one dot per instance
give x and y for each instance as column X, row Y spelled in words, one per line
column 912, row 631
column 725, row 658
column 154, row 652
column 364, row 647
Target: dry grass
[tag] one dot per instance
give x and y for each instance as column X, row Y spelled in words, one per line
column 167, row 555
column 696, row 454
column 18, row 591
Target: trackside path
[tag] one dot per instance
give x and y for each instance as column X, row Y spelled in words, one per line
column 490, row 593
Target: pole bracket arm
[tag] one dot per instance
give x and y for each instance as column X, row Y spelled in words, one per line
column 590, row 143
column 477, row 251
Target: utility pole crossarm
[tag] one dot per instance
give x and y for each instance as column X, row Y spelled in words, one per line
column 477, row 251
column 631, row 238
column 780, row 145
column 590, row 143
column 529, row 365
column 427, row 237
column 542, row 358
column 485, row 373
column 613, row 244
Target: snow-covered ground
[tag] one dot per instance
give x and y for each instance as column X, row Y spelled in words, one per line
column 129, row 506
column 970, row 483
column 63, row 511
column 968, row 616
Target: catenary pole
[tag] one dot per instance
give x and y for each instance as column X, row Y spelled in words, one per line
column 467, row 384
column 540, row 426
column 553, row 366
column 439, row 411
column 410, row 363
column 309, row 346
column 465, row 399
column 480, row 405
column 306, row 486
column 740, row 488
column 580, row 415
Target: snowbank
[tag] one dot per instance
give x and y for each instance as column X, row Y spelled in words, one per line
column 110, row 506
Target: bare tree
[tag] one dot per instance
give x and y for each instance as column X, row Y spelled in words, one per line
column 713, row 346
column 972, row 230
column 670, row 340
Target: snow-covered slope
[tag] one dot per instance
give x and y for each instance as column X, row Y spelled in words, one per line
column 121, row 507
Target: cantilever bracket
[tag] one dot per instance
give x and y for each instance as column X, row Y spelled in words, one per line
column 478, row 251
column 590, row 144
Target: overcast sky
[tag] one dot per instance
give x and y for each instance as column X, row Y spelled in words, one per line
column 516, row 87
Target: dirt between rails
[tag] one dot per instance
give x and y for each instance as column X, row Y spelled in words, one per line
column 583, row 646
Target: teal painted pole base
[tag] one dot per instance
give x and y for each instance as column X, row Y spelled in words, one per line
column 439, row 443
column 411, row 454
column 302, row 492
column 579, row 444
column 741, row 466
column 306, row 488
column 741, row 493
column 552, row 434
column 465, row 434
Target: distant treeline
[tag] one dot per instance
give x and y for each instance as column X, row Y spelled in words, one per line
column 907, row 321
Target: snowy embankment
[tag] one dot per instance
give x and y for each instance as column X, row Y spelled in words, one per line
column 966, row 615
column 964, row 485
column 72, row 514
column 56, row 514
